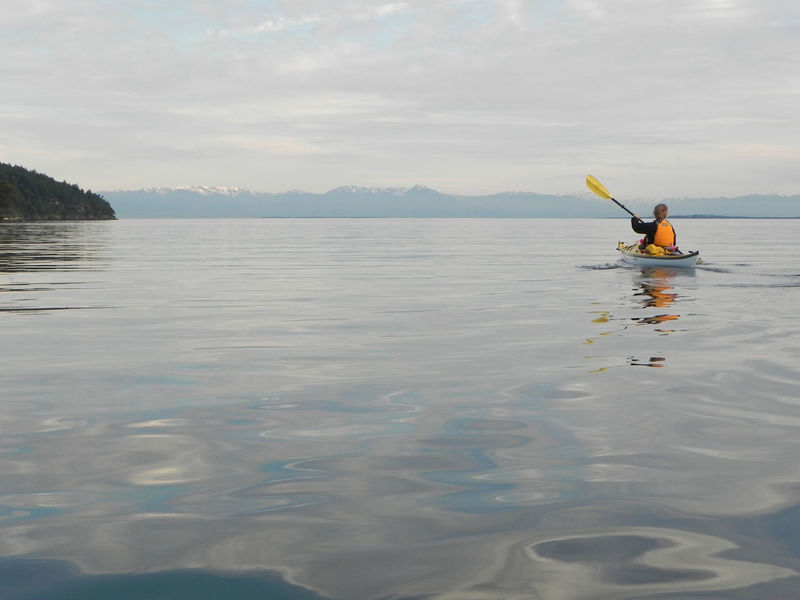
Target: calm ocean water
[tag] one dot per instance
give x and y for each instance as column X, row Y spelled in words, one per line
column 367, row 409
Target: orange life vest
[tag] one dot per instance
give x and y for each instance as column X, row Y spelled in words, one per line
column 665, row 234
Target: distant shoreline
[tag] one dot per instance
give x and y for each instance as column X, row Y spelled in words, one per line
column 725, row 217
column 419, row 202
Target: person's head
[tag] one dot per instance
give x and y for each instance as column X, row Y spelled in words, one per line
column 660, row 212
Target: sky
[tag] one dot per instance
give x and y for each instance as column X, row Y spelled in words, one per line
column 655, row 98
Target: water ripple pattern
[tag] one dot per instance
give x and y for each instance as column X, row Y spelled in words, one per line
column 385, row 408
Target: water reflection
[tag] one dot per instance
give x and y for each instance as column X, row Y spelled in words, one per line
column 653, row 361
column 655, row 289
column 59, row 580
column 655, row 295
column 640, row 562
column 50, row 246
column 45, row 251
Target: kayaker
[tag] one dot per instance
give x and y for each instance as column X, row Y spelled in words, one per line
column 659, row 233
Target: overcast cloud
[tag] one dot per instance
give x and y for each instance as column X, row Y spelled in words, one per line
column 657, row 98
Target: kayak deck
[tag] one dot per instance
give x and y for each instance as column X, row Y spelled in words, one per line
column 631, row 254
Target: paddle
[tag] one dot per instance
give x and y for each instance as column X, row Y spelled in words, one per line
column 599, row 189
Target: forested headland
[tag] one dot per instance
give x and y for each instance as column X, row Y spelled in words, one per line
column 26, row 195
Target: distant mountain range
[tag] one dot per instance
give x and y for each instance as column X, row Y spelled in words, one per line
column 418, row 201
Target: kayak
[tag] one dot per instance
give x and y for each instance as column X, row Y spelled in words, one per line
column 634, row 256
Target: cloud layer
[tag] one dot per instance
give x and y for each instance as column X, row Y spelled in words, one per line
column 655, row 97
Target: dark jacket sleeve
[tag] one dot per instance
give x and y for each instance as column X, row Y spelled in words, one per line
column 649, row 229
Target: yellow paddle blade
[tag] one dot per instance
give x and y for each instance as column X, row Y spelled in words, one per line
column 597, row 187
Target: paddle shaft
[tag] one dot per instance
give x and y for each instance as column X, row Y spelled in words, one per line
column 622, row 207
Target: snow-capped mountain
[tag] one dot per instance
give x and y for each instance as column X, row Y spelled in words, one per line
column 202, row 190
column 379, row 191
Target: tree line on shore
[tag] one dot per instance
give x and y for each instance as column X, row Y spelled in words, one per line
column 26, row 195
